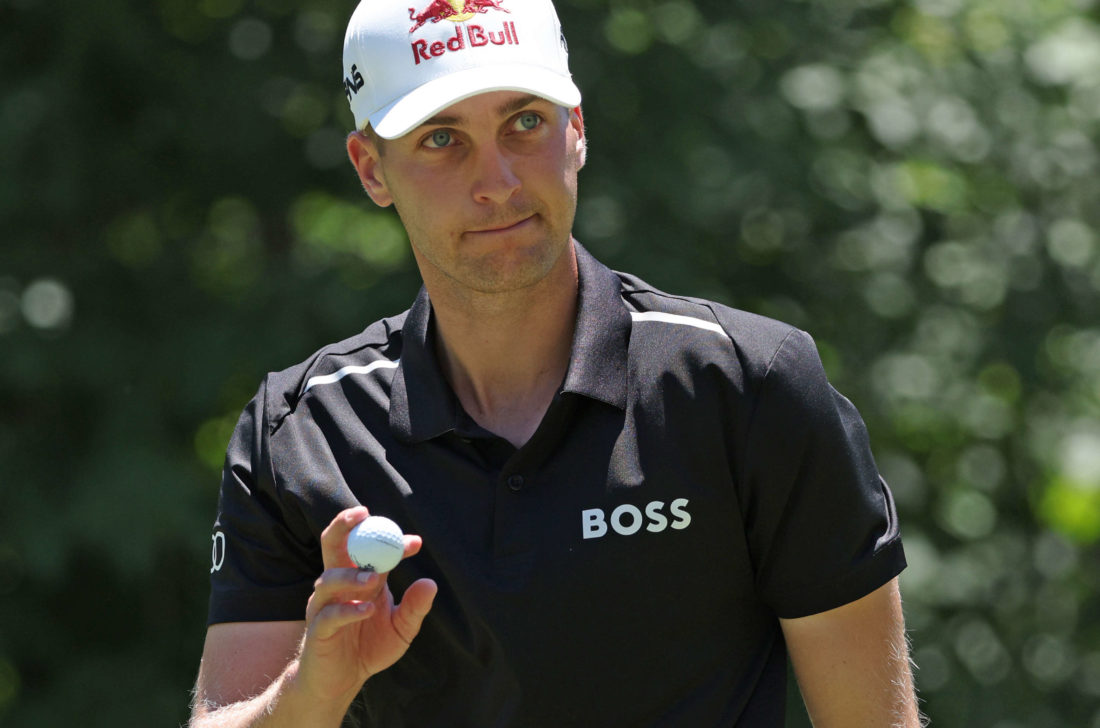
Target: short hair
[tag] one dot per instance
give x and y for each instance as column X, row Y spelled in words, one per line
column 371, row 134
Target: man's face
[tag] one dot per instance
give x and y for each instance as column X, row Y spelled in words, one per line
column 486, row 189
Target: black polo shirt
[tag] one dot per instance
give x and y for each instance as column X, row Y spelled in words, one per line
column 695, row 478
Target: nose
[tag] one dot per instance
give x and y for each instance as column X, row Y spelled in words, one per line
column 495, row 180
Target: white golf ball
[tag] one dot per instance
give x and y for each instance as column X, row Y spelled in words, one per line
column 376, row 544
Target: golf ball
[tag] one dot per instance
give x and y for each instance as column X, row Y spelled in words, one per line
column 376, row 544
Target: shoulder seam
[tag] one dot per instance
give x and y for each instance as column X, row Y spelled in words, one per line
column 775, row 354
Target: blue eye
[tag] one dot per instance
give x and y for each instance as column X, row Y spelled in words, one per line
column 528, row 121
column 439, row 138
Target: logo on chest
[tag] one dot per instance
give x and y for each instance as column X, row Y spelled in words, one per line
column 627, row 519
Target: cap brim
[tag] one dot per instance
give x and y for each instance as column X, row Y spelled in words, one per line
column 406, row 113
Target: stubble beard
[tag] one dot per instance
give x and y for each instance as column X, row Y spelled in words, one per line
column 507, row 269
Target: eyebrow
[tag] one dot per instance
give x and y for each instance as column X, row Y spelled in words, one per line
column 504, row 109
column 516, row 104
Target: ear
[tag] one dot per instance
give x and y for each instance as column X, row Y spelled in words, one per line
column 366, row 158
column 576, row 120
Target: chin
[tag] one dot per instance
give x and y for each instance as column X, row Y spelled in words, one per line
column 512, row 268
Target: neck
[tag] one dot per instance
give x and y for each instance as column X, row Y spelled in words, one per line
column 505, row 354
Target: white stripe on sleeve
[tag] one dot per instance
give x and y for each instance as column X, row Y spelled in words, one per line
column 672, row 318
column 338, row 375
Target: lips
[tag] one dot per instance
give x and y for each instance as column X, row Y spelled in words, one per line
column 504, row 227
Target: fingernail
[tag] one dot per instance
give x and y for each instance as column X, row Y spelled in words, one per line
column 364, row 576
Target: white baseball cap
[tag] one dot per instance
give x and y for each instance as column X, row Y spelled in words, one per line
column 402, row 65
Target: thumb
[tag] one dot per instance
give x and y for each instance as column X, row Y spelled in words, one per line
column 414, row 607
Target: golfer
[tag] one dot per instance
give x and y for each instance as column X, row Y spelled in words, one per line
column 624, row 507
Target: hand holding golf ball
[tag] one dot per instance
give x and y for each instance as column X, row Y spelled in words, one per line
column 355, row 627
column 376, row 544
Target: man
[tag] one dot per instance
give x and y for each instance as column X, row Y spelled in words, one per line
column 629, row 507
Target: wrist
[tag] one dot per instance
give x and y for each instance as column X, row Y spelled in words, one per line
column 306, row 706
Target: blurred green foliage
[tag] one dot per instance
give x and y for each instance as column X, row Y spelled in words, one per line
column 914, row 182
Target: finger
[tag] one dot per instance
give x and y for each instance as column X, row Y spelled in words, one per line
column 412, row 546
column 354, row 582
column 334, row 539
column 334, row 617
column 343, row 585
column 414, row 607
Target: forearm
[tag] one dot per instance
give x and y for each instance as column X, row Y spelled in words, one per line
column 282, row 705
column 852, row 664
column 879, row 701
column 874, row 693
column 906, row 713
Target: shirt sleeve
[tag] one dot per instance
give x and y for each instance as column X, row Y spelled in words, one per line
column 820, row 520
column 263, row 566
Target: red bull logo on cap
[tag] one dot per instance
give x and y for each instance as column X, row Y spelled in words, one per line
column 454, row 10
column 459, row 11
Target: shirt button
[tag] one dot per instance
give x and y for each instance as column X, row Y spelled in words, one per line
column 515, row 483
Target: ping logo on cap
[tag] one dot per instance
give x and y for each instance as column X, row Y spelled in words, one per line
column 459, row 11
column 353, row 84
